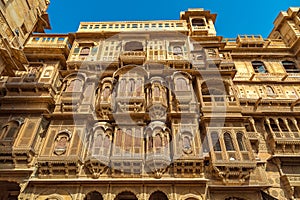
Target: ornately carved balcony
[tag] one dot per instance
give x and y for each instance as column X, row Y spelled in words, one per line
column 62, row 155
column 250, row 41
column 38, row 95
column 158, row 156
column 233, row 167
column 70, row 101
column 132, row 57
column 285, row 143
column 130, row 101
column 49, row 46
column 222, row 103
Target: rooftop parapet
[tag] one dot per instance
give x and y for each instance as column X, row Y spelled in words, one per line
column 167, row 25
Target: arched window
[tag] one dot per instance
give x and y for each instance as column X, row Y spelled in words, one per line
column 259, row 67
column 61, row 142
column 240, row 140
column 106, row 93
column 139, row 87
column 98, row 141
column 177, row 50
column 292, row 125
column 181, row 84
column 10, row 130
column 118, row 138
column 186, row 143
column 198, row 22
column 128, row 139
column 93, row 196
column 158, row 195
column 122, row 87
column 282, row 125
column 156, row 91
column 228, row 142
column 273, row 125
column 131, row 86
column 290, row 66
column 270, row 90
column 157, row 141
column 133, row 46
column 126, row 196
column 85, row 51
column 74, row 86
column 215, row 141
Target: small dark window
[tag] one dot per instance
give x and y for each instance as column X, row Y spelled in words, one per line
column 10, row 131
column 290, row 66
column 134, row 46
column 270, row 91
column 158, row 195
column 198, row 22
column 292, row 125
column 240, row 140
column 93, row 196
column 24, row 29
column 282, row 125
column 274, row 125
column 228, row 142
column 85, row 51
column 259, row 67
column 215, row 141
column 177, row 50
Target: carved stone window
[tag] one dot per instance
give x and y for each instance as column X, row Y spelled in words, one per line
column 181, row 84
column 292, row 126
column 106, row 93
column 74, row 85
column 228, row 142
column 61, row 142
column 270, row 91
column 33, row 73
column 259, row 67
column 273, row 125
column 10, row 130
column 93, row 196
column 133, row 46
column 158, row 195
column 187, row 143
column 282, row 125
column 139, row 87
column 131, row 86
column 157, row 142
column 215, row 141
column 122, row 87
column 177, row 50
column 156, row 91
column 126, row 196
column 101, row 143
column 85, row 51
column 240, row 140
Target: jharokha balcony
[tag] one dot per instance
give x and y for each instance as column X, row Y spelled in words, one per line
column 132, row 57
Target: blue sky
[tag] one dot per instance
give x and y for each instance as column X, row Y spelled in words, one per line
column 234, row 16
